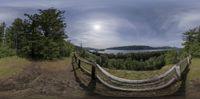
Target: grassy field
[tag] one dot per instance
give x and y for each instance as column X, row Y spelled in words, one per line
column 194, row 73
column 139, row 74
column 10, row 66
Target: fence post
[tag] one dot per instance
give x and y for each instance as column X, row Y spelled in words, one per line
column 73, row 60
column 188, row 60
column 190, row 57
column 79, row 63
column 178, row 71
column 93, row 72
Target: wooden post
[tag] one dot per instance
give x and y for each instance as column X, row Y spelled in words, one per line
column 188, row 60
column 93, row 74
column 73, row 60
column 178, row 71
column 74, row 57
column 79, row 63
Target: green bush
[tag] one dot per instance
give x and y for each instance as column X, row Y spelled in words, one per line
column 171, row 57
column 5, row 52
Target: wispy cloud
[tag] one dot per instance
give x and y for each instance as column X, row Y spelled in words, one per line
column 123, row 22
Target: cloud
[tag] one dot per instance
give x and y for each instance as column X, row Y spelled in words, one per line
column 123, row 22
column 189, row 20
column 108, row 35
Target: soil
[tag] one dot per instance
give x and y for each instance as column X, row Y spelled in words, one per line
column 36, row 81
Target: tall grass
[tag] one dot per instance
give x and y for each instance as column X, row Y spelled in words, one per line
column 11, row 66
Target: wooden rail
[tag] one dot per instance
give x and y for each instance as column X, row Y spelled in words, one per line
column 97, row 72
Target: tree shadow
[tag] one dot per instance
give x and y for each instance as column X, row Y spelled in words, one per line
column 91, row 85
column 182, row 90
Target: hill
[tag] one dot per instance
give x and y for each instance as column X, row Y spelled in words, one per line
column 139, row 47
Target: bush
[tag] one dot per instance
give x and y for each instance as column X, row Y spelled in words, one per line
column 171, row 57
column 5, row 52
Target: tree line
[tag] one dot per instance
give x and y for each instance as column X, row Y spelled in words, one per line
column 37, row 36
column 135, row 61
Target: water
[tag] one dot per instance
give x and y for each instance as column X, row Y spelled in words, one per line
column 129, row 51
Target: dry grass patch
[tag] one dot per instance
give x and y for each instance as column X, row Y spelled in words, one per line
column 194, row 73
column 55, row 65
column 130, row 74
column 10, row 66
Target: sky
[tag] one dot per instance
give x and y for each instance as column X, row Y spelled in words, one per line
column 109, row 23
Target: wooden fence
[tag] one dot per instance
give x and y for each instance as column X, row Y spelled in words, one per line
column 158, row 82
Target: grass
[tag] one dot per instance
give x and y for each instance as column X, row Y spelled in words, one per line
column 194, row 73
column 55, row 65
column 131, row 74
column 138, row 74
column 11, row 66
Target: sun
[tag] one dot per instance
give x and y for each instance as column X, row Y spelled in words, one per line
column 97, row 27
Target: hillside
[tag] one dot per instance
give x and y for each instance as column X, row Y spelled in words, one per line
column 139, row 47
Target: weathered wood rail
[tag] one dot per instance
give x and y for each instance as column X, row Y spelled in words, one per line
column 96, row 72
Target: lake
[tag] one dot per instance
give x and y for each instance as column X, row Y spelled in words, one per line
column 108, row 51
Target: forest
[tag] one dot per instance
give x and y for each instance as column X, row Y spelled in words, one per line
column 135, row 61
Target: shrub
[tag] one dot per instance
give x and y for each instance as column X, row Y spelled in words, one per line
column 5, row 52
column 171, row 57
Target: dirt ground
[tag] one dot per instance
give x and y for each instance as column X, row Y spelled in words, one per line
column 37, row 83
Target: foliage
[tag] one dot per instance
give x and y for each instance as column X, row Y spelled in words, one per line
column 15, row 35
column 171, row 57
column 192, row 42
column 135, row 56
column 130, row 61
column 2, row 35
column 40, row 36
column 129, row 64
column 5, row 52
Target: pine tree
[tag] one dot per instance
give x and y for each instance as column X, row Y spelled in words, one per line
column 2, row 33
column 45, row 35
column 192, row 41
column 14, row 34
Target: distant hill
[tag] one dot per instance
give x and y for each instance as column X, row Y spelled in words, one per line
column 139, row 47
column 88, row 48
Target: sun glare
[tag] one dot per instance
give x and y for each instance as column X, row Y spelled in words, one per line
column 97, row 27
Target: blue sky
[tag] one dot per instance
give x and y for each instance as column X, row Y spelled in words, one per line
column 108, row 23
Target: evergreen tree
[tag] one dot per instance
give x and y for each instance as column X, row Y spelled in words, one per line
column 2, row 33
column 14, row 34
column 192, row 41
column 45, row 35
column 171, row 57
column 39, row 36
